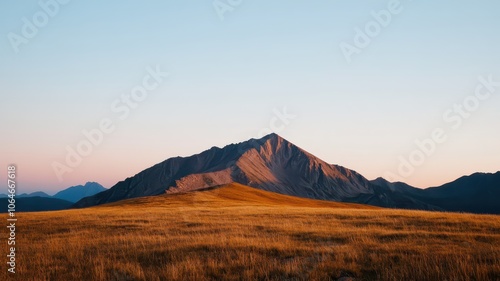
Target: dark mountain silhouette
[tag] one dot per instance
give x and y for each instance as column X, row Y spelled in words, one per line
column 36, row 204
column 477, row 193
column 76, row 193
column 41, row 201
column 34, row 194
column 400, row 187
column 25, row 195
column 72, row 194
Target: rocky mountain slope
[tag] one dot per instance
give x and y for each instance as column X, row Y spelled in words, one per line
column 271, row 164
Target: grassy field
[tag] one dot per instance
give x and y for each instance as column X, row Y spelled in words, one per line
column 239, row 233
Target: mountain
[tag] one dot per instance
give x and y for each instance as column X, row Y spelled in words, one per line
column 276, row 165
column 35, row 204
column 400, row 187
column 72, row 194
column 34, row 194
column 41, row 201
column 271, row 164
column 76, row 193
column 476, row 193
column 24, row 195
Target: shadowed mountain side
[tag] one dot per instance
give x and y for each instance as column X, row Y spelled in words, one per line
column 387, row 198
column 399, row 187
column 477, row 193
column 36, row 204
column 233, row 194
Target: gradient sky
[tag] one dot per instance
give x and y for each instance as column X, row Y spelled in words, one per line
column 228, row 76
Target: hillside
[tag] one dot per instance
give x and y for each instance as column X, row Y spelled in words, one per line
column 238, row 233
column 234, row 194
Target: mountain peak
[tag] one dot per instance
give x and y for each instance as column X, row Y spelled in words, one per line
column 272, row 136
column 270, row 163
column 274, row 140
column 91, row 184
column 75, row 193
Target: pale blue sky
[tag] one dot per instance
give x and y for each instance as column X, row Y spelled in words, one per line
column 227, row 76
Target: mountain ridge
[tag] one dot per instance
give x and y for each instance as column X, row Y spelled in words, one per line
column 271, row 163
column 76, row 193
column 39, row 201
column 475, row 193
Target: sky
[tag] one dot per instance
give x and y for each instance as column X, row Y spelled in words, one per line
column 397, row 89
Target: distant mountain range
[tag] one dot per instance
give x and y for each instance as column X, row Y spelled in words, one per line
column 41, row 201
column 274, row 164
column 477, row 193
column 36, row 204
column 24, row 195
column 76, row 193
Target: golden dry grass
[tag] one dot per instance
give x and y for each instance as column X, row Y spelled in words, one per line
column 239, row 233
